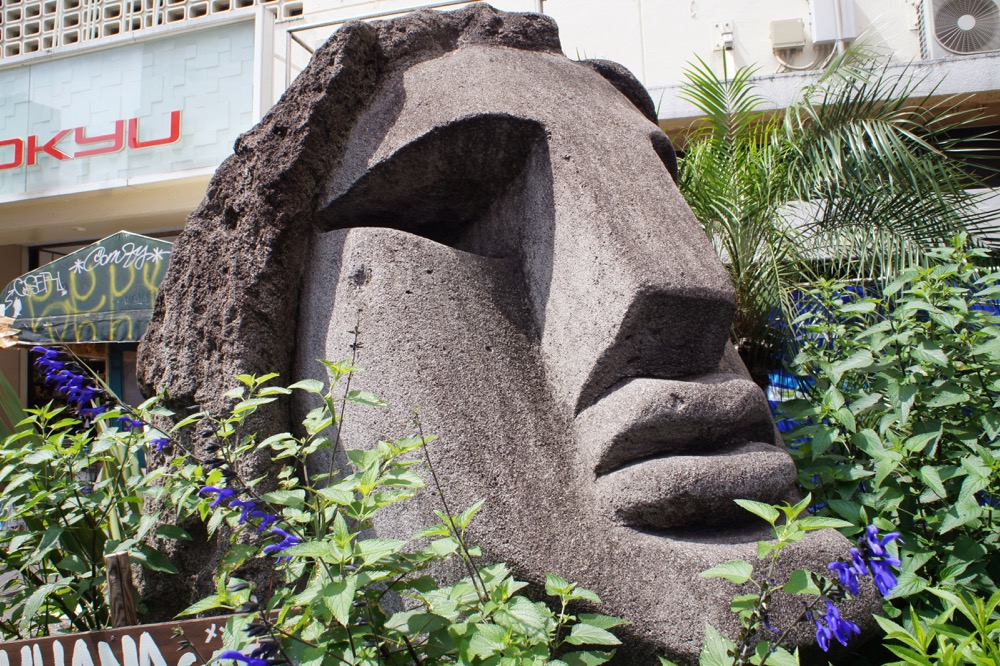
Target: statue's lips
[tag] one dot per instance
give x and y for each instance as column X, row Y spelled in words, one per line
column 669, row 453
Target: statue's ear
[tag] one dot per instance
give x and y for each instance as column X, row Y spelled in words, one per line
column 626, row 83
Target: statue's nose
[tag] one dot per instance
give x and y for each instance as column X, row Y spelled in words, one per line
column 636, row 291
column 665, row 331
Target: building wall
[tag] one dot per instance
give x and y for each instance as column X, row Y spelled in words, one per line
column 656, row 38
column 12, row 264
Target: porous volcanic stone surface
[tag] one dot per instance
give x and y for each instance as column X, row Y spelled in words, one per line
column 505, row 225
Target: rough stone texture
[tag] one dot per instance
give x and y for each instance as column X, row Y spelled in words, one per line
column 506, row 225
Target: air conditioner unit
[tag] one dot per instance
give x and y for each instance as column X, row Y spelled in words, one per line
column 962, row 27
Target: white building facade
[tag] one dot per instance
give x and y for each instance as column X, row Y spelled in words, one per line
column 115, row 113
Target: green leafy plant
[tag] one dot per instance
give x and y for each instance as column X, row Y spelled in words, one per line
column 343, row 598
column 973, row 637
column 71, row 495
column 856, row 179
column 900, row 426
column 759, row 641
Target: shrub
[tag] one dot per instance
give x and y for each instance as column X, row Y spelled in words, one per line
column 72, row 489
column 900, row 426
column 344, row 598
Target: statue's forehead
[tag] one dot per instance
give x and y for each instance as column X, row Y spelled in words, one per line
column 571, row 101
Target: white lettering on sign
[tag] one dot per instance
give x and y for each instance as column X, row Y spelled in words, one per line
column 130, row 254
column 36, row 284
column 147, row 653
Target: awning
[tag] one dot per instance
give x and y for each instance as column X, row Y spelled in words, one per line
column 101, row 293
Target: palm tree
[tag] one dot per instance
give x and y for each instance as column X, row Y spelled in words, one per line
column 855, row 179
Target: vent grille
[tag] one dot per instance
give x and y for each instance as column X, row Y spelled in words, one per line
column 32, row 26
column 967, row 26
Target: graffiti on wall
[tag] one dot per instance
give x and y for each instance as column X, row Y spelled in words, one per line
column 101, row 293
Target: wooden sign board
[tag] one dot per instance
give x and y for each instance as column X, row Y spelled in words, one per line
column 142, row 645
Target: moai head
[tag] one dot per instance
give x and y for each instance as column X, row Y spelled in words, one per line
column 505, row 224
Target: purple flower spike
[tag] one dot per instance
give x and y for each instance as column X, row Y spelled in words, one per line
column 847, row 574
column 240, row 657
column 160, row 443
column 841, row 629
column 875, row 545
column 266, row 519
column 287, row 541
column 823, row 635
column 222, row 494
column 126, row 424
column 246, row 505
column 885, row 580
column 91, row 412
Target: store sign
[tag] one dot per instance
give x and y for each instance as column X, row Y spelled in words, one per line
column 101, row 293
column 149, row 110
column 71, row 144
column 143, row 645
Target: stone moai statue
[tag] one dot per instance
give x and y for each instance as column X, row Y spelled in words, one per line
column 505, row 224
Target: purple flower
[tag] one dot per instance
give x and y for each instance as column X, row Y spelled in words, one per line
column 222, row 494
column 885, row 579
column 159, row 443
column 847, row 574
column 266, row 519
column 870, row 555
column 91, row 412
column 126, row 424
column 841, row 629
column 823, row 635
column 239, row 656
column 765, row 617
column 878, row 558
column 858, row 562
column 876, row 546
column 287, row 541
column 246, row 505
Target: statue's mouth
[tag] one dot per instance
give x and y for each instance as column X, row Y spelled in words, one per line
column 669, row 454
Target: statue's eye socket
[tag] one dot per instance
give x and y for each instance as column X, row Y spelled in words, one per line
column 439, row 184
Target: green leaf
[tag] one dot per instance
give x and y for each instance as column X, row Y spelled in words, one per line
column 251, row 405
column 735, row 571
column 928, row 352
column 338, row 595
column 172, row 532
column 929, row 475
column 857, row 360
column 556, row 586
column 237, row 554
column 588, row 634
column 206, row 604
column 601, row 621
column 35, row 601
column 487, row 640
column 810, row 523
column 365, row 398
column 309, row 385
column 759, row 509
column 908, row 584
column 292, row 498
column 715, row 649
column 948, row 394
column 782, row 657
column 959, row 514
column 801, row 582
column 586, row 658
column 374, row 550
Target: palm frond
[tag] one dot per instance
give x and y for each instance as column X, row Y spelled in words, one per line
column 858, row 179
